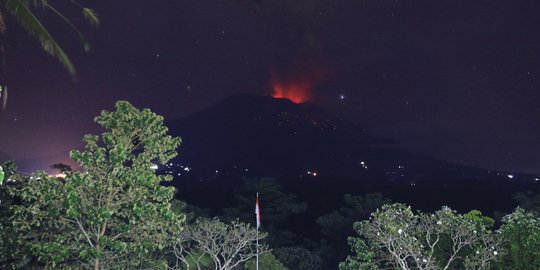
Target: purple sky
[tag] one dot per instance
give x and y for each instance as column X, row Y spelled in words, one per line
column 458, row 80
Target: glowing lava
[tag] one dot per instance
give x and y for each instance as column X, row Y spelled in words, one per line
column 297, row 87
column 295, row 91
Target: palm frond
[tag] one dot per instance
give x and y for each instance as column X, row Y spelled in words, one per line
column 85, row 42
column 2, row 24
column 35, row 28
column 37, row 3
column 3, row 96
column 91, row 17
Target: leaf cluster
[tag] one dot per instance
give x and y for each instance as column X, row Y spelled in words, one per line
column 112, row 213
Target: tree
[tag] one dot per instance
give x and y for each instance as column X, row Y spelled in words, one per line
column 337, row 225
column 443, row 240
column 276, row 208
column 62, row 168
column 228, row 245
column 22, row 10
column 267, row 261
column 298, row 258
column 2, row 174
column 363, row 258
column 14, row 253
column 529, row 201
column 112, row 213
column 521, row 230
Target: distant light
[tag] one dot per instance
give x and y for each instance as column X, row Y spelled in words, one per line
column 342, row 97
column 315, row 174
column 510, row 176
column 187, row 169
column 60, row 175
column 154, row 167
column 536, row 179
column 361, row 162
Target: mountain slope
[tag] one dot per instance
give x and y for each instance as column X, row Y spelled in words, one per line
column 266, row 134
column 278, row 138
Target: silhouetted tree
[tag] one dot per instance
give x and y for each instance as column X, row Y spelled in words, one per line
column 228, row 245
column 112, row 213
column 276, row 208
column 338, row 225
column 62, row 168
column 398, row 237
column 521, row 232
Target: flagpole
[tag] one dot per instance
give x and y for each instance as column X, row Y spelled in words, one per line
column 257, row 218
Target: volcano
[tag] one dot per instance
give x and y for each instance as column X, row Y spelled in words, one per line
column 279, row 138
column 310, row 149
column 265, row 134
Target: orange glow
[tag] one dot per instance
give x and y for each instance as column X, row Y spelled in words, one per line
column 297, row 92
column 298, row 86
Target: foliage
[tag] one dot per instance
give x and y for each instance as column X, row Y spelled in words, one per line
column 282, row 207
column 2, row 175
column 114, row 212
column 24, row 12
column 62, row 168
column 15, row 252
column 480, row 220
column 10, row 168
column 363, row 258
column 521, row 230
column 442, row 240
column 267, row 261
column 529, row 201
column 298, row 258
column 338, row 222
column 337, row 225
column 277, row 212
column 228, row 245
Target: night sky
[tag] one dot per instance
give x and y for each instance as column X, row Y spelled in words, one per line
column 457, row 80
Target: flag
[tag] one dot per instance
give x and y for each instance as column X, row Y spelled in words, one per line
column 257, row 212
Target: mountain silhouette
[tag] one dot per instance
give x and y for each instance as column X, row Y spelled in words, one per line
column 268, row 135
column 277, row 138
column 315, row 153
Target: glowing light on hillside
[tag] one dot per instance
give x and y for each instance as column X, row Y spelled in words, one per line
column 297, row 86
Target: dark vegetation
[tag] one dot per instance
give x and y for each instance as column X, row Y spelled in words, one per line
column 118, row 212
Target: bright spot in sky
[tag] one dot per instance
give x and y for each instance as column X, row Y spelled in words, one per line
column 154, row 167
column 536, row 179
column 510, row 176
column 342, row 97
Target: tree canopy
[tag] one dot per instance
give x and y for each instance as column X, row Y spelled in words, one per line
column 395, row 236
column 113, row 212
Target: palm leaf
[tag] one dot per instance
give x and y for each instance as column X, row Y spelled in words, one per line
column 85, row 42
column 2, row 24
column 3, row 96
column 35, row 28
column 91, row 17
